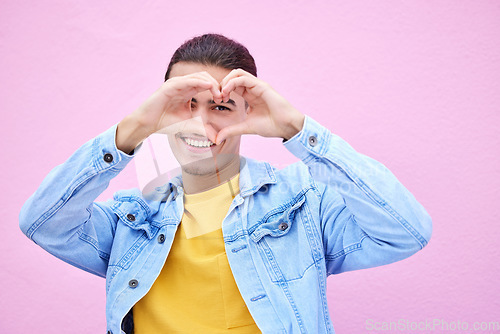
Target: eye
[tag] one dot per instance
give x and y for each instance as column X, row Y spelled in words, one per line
column 222, row 108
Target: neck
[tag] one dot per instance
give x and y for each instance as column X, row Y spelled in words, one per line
column 195, row 183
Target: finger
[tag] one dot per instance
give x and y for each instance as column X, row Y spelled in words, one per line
column 215, row 89
column 236, row 84
column 180, row 84
column 189, row 87
column 234, row 74
column 232, row 130
column 211, row 133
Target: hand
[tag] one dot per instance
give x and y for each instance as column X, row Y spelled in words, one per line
column 166, row 110
column 268, row 114
column 171, row 103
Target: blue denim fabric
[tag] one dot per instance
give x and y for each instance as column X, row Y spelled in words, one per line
column 335, row 210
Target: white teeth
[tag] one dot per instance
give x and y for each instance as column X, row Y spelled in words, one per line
column 198, row 143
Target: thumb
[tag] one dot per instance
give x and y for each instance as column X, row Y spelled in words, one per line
column 232, row 130
column 211, row 133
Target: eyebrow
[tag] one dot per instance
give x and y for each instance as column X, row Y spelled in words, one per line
column 213, row 102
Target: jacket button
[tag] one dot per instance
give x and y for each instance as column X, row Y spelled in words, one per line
column 283, row 226
column 313, row 141
column 133, row 283
column 108, row 157
column 161, row 238
column 131, row 217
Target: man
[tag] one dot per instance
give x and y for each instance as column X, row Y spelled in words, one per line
column 231, row 244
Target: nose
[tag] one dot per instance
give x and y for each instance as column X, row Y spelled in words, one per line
column 203, row 113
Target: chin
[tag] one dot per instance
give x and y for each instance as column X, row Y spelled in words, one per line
column 200, row 167
column 209, row 166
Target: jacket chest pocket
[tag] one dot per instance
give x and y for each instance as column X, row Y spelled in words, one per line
column 133, row 233
column 283, row 238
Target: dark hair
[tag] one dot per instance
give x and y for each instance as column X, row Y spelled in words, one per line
column 215, row 50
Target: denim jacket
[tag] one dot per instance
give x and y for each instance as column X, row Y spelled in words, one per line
column 335, row 210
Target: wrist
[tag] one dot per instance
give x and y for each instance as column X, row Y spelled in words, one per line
column 129, row 134
column 295, row 125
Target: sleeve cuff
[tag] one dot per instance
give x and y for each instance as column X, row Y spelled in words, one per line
column 105, row 153
column 310, row 142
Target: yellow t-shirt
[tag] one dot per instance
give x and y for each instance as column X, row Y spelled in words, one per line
column 195, row 291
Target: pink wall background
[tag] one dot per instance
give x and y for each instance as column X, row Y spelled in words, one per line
column 413, row 84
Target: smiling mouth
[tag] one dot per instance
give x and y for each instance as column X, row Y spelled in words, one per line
column 199, row 143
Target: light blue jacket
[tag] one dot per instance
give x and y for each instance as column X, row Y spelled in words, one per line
column 335, row 210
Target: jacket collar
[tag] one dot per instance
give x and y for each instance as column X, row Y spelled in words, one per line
column 253, row 175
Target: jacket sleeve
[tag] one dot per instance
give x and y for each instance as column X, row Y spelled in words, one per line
column 61, row 215
column 366, row 216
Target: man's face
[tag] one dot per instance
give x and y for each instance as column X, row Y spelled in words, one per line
column 189, row 144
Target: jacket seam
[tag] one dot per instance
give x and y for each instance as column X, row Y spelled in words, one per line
column 376, row 199
column 96, row 169
column 264, row 287
column 394, row 214
column 93, row 242
column 140, row 243
column 59, row 204
column 286, row 291
column 124, row 291
column 346, row 250
column 323, row 154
